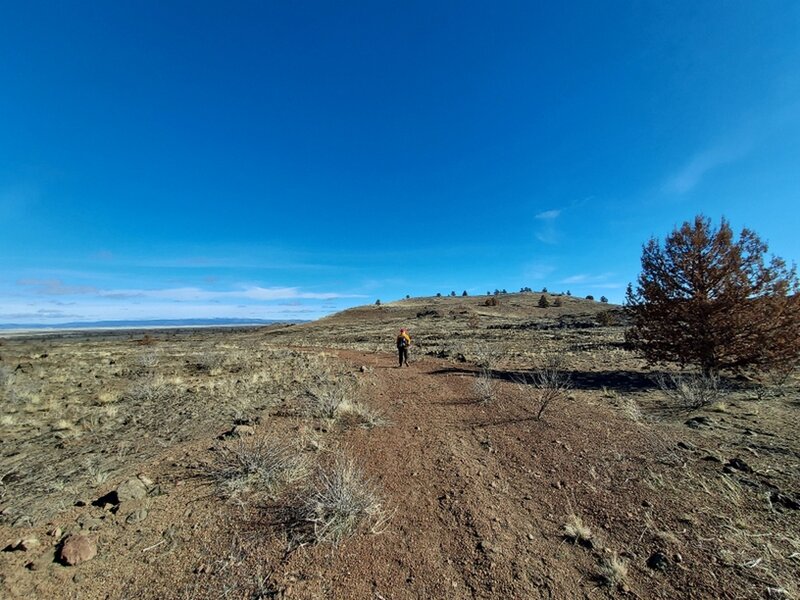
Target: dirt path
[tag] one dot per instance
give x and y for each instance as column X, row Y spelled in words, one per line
column 466, row 522
column 479, row 496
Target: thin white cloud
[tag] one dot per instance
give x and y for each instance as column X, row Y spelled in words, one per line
column 548, row 215
column 536, row 271
column 546, row 230
column 585, row 278
column 194, row 294
column 56, row 287
column 701, row 163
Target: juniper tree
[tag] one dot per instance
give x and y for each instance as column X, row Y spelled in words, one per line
column 707, row 300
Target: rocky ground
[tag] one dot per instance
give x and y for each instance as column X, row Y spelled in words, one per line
column 120, row 455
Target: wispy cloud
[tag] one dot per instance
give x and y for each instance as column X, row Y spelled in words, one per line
column 35, row 315
column 537, row 271
column 585, row 278
column 186, row 294
column 603, row 281
column 548, row 215
column 701, row 163
column 546, row 231
column 56, row 287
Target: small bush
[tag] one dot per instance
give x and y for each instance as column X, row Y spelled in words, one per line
column 614, row 571
column 357, row 414
column 485, row 386
column 325, row 399
column 543, row 303
column 577, row 532
column 590, row 297
column 691, row 391
column 147, row 340
column 491, row 301
column 557, row 302
column 148, row 360
column 606, row 318
column 147, row 389
column 334, row 505
column 210, row 362
column 258, row 465
column 546, row 384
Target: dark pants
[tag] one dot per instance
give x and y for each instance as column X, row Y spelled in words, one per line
column 403, row 353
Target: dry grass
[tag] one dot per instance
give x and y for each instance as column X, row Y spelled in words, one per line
column 485, row 387
column 614, row 571
column 691, row 391
column 358, row 414
column 256, row 466
column 334, row 505
column 114, row 402
column 325, row 399
column 576, row 531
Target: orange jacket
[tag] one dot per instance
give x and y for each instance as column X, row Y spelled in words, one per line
column 403, row 336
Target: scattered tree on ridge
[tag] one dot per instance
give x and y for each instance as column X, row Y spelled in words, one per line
column 604, row 299
column 708, row 300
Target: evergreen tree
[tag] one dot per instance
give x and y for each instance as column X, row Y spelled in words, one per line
column 706, row 299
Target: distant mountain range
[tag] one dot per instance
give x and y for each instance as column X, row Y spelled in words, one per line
column 155, row 323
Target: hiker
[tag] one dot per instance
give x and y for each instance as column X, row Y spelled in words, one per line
column 403, row 342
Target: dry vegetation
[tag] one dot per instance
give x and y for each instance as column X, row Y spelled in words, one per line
column 526, row 453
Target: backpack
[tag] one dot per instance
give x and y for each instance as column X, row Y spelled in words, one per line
column 402, row 341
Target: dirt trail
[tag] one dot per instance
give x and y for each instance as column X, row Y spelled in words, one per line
column 466, row 524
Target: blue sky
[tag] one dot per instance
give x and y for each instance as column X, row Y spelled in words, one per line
column 288, row 159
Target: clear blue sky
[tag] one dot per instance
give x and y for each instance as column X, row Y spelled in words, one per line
column 287, row 159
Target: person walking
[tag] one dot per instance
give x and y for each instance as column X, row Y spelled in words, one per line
column 403, row 343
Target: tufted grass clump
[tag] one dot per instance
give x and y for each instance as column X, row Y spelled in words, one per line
column 334, row 505
column 257, row 466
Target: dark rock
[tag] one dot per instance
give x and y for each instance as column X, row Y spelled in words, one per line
column 658, row 561
column 739, row 465
column 686, row 446
column 784, row 500
column 699, row 422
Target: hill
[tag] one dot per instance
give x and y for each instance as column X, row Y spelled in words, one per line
column 301, row 462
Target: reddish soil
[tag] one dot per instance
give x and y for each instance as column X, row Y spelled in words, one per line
column 479, row 495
